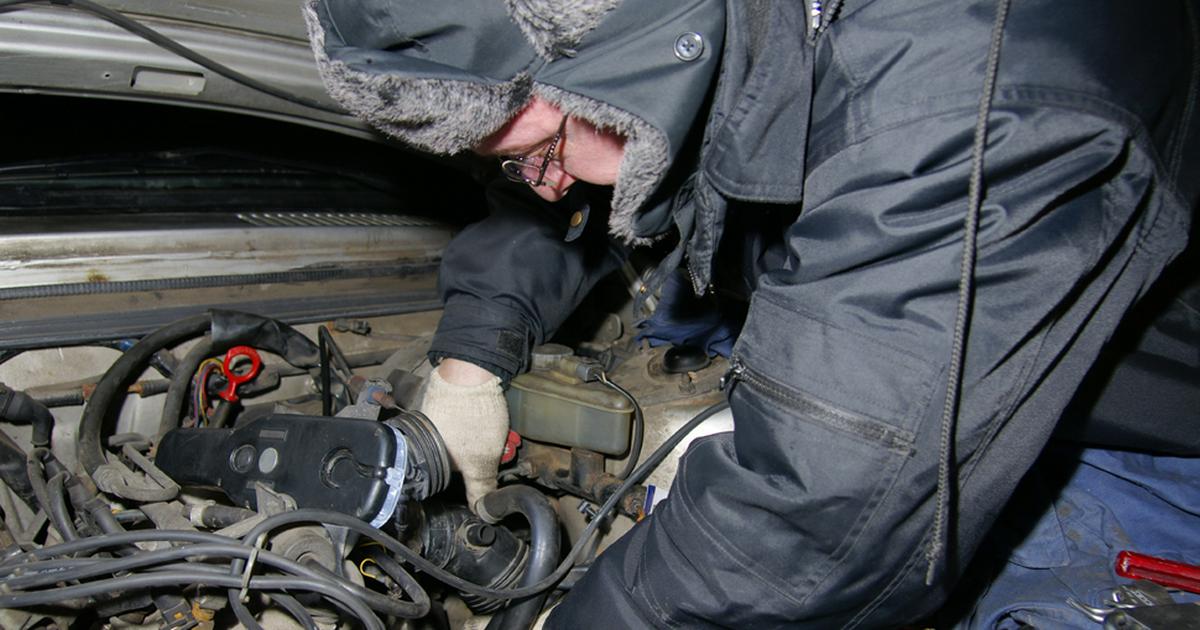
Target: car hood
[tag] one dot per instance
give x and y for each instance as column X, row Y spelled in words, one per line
column 59, row 50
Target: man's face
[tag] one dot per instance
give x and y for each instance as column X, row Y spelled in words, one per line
column 583, row 152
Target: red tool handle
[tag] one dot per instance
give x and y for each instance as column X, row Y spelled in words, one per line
column 1185, row 577
column 234, row 378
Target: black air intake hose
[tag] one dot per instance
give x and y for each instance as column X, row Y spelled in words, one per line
column 543, row 544
column 464, row 545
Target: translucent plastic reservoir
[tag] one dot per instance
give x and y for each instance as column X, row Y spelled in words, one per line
column 550, row 407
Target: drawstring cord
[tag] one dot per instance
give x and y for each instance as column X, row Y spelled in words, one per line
column 966, row 288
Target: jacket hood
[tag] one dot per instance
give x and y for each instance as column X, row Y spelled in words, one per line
column 444, row 76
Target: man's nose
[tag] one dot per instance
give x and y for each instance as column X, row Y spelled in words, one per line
column 557, row 183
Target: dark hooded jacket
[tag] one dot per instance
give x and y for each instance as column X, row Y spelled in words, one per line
column 830, row 180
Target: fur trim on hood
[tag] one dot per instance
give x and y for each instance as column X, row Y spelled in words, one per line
column 444, row 78
column 555, row 28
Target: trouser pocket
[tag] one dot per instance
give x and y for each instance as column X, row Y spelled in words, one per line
column 819, row 473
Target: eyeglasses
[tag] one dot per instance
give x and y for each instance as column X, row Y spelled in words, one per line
column 526, row 169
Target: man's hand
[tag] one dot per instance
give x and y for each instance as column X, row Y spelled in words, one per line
column 466, row 404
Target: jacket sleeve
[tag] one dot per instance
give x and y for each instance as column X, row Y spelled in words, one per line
column 509, row 281
column 817, row 510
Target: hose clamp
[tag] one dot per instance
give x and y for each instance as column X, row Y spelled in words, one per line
column 394, row 478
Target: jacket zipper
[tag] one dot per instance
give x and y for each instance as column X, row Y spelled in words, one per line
column 699, row 289
column 732, row 375
column 862, row 426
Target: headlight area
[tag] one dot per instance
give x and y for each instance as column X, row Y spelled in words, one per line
column 228, row 468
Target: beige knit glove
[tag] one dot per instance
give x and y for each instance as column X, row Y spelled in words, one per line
column 473, row 421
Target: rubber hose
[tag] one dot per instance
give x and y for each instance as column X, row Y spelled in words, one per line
column 20, row 408
column 58, row 508
column 118, row 378
column 222, row 516
column 295, row 609
column 13, row 471
column 85, row 499
column 102, row 516
column 420, row 599
column 543, row 548
column 181, row 384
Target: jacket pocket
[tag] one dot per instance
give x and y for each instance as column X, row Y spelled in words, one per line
column 836, row 366
column 825, row 420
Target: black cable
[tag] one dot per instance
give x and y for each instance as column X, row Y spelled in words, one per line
column 37, row 481
column 120, row 539
column 326, row 381
column 240, row 611
column 246, row 618
column 332, row 357
column 58, row 508
column 639, row 428
column 420, row 599
column 295, row 609
column 55, row 508
column 42, row 573
column 162, row 41
column 36, row 575
column 376, row 601
column 101, row 515
column 390, row 606
column 189, row 578
column 54, row 571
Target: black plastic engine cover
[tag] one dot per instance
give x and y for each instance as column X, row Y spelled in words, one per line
column 336, row 464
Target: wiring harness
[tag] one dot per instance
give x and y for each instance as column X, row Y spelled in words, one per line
column 248, row 562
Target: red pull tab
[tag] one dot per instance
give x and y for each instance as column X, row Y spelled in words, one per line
column 1169, row 573
column 234, row 378
column 510, row 447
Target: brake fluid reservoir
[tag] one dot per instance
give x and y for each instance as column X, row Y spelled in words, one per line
column 550, row 404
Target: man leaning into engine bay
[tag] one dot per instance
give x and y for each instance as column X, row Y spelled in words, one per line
column 923, row 310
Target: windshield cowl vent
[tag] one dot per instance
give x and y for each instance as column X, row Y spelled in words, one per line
column 331, row 219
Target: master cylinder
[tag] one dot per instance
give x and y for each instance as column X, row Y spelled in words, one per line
column 559, row 401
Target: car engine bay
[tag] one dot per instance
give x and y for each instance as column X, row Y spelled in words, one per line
column 212, row 348
column 228, row 469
